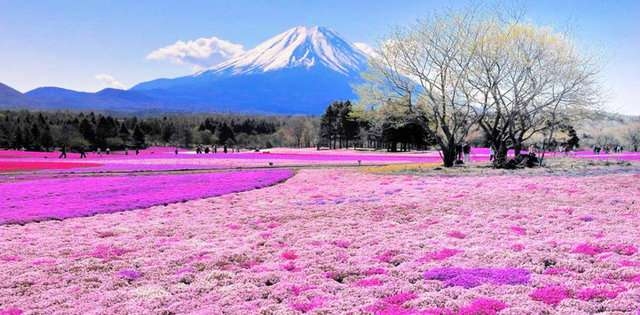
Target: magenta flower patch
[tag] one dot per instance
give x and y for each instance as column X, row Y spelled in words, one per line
column 439, row 255
column 551, row 295
column 129, row 274
column 307, row 306
column 456, row 234
column 517, row 247
column 28, row 200
column 369, row 282
column 588, row 294
column 518, row 230
column 107, row 252
column 387, row 256
column 592, row 250
column 399, row 298
column 289, row 255
column 588, row 249
column 11, row 311
column 482, row 306
column 469, row 278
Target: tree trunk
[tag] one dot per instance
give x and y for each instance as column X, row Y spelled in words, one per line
column 517, row 148
column 500, row 157
column 449, row 156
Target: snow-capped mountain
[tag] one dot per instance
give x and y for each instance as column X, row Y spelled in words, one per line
column 298, row 71
column 301, row 70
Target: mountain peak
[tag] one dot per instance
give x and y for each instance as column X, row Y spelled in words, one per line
column 298, row 47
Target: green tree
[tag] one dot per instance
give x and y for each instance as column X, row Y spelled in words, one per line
column 123, row 133
column 225, row 134
column 46, row 139
column 138, row 137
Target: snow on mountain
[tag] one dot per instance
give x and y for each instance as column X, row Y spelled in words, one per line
column 297, row 47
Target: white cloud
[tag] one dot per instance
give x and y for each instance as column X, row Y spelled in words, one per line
column 365, row 48
column 199, row 53
column 109, row 81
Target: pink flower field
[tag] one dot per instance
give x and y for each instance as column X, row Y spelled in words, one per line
column 325, row 241
column 160, row 159
column 36, row 200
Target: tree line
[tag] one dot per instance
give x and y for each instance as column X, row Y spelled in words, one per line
column 343, row 125
column 45, row 131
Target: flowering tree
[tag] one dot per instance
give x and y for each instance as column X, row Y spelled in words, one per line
column 531, row 81
column 422, row 71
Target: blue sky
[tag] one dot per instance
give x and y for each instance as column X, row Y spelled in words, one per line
column 88, row 45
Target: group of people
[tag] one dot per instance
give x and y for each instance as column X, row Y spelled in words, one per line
column 199, row 150
column 597, row 149
column 532, row 151
column 83, row 152
column 206, row 150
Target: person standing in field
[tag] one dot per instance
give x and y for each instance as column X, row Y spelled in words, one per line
column 176, row 151
column 215, row 148
column 63, row 152
column 224, row 149
column 108, row 151
column 99, row 151
column 83, row 154
column 466, row 150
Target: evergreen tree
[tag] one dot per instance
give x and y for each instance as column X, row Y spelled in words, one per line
column 46, row 140
column 35, row 134
column 225, row 134
column 18, row 141
column 27, row 138
column 102, row 132
column 87, row 130
column 187, row 137
column 167, row 132
column 138, row 137
column 123, row 133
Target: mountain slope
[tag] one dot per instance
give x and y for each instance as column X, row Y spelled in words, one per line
column 111, row 99
column 10, row 98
